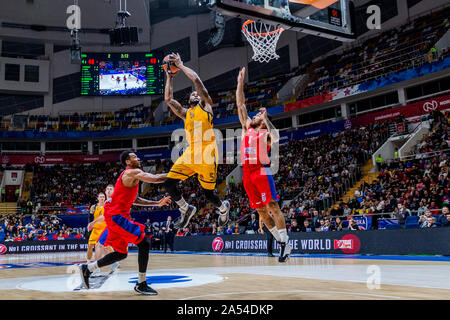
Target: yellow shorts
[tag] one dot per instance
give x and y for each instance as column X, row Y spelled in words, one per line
column 184, row 168
column 95, row 234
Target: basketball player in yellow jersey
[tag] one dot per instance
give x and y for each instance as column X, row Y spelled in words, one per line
column 200, row 157
column 98, row 226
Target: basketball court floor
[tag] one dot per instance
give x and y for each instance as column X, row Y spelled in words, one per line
column 192, row 276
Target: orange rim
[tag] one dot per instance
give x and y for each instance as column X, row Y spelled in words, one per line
column 263, row 34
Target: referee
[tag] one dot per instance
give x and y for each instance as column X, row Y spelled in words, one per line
column 263, row 230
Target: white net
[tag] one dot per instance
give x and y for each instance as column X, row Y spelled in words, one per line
column 263, row 38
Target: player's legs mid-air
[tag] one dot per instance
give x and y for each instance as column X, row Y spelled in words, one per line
column 186, row 167
column 262, row 195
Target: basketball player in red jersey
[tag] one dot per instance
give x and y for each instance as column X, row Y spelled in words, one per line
column 258, row 135
column 121, row 229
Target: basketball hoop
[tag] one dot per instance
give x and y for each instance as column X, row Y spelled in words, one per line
column 264, row 38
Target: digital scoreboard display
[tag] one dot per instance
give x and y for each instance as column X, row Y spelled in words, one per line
column 107, row 74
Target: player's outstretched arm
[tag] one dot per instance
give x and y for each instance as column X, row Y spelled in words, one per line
column 141, row 202
column 240, row 100
column 174, row 105
column 191, row 74
column 140, row 175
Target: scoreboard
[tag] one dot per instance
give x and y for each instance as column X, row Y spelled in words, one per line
column 121, row 74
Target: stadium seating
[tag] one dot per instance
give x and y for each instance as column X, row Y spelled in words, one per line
column 392, row 51
column 412, row 222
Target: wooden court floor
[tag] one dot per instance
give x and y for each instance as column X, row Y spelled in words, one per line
column 227, row 277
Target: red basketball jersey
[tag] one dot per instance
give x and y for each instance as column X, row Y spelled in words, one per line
column 122, row 199
column 254, row 150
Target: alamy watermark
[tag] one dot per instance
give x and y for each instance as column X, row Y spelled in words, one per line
column 374, row 278
column 73, row 22
column 374, row 20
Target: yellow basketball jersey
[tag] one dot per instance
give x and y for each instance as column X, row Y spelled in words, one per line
column 98, row 213
column 200, row 134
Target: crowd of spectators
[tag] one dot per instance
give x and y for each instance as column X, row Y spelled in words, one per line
column 35, row 228
column 314, row 178
column 392, row 51
column 410, row 186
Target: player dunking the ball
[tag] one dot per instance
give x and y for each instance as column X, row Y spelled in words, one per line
column 200, row 157
column 121, row 229
column 258, row 135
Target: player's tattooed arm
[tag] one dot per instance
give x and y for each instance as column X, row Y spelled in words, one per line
column 174, row 105
column 141, row 202
column 193, row 76
column 274, row 134
column 240, row 100
column 140, row 175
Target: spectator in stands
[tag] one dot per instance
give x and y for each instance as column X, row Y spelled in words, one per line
column 306, row 227
column 2, row 234
column 186, row 232
column 353, row 225
column 322, row 226
column 422, row 208
column 379, row 162
column 168, row 234
column 42, row 236
column 316, row 219
column 156, row 239
column 338, row 224
column 446, row 222
column 327, row 225
column 31, row 237
column 401, row 213
column 78, row 235
column 229, row 230
column 431, row 223
column 8, row 237
column 219, row 231
column 423, row 218
column 294, row 227
column 59, row 236
column 253, row 225
column 18, row 237
column 148, row 228
column 238, row 229
column 443, row 217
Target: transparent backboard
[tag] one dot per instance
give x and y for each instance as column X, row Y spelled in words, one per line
column 332, row 21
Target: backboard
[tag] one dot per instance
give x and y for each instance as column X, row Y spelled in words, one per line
column 334, row 21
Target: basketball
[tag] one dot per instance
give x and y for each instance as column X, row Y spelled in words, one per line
column 168, row 66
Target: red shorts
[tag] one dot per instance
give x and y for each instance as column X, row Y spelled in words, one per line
column 120, row 231
column 260, row 188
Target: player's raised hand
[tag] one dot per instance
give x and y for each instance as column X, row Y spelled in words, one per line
column 241, row 76
column 263, row 113
column 175, row 58
column 164, row 201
